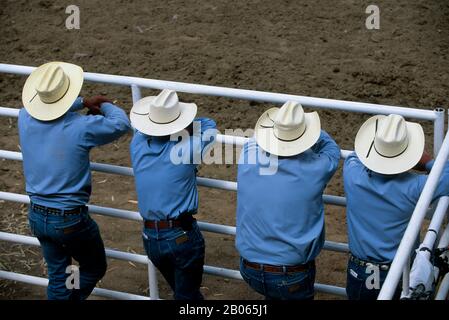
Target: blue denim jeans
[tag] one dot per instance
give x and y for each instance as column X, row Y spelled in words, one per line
column 356, row 283
column 62, row 238
column 277, row 286
column 179, row 256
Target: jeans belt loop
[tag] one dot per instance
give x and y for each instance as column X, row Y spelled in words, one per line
column 284, row 269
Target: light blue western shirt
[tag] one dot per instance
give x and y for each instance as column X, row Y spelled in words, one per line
column 165, row 171
column 280, row 217
column 379, row 207
column 56, row 153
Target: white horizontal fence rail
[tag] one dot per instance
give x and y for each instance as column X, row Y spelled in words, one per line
column 13, row 276
column 437, row 116
column 205, row 182
column 242, row 94
column 406, row 246
column 135, row 216
column 221, row 138
column 32, row 241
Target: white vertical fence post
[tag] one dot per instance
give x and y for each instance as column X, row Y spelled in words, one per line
column 135, row 91
column 438, row 130
column 406, row 278
column 152, row 276
column 152, row 281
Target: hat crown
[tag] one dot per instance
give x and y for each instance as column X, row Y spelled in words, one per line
column 166, row 99
column 53, row 84
column 290, row 115
column 391, row 137
column 165, row 108
column 290, row 122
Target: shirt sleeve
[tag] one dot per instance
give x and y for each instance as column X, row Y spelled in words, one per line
column 77, row 105
column 208, row 134
column 351, row 161
column 103, row 129
column 443, row 184
column 327, row 147
column 204, row 136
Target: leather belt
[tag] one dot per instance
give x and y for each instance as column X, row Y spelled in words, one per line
column 184, row 220
column 363, row 263
column 56, row 211
column 162, row 224
column 278, row 269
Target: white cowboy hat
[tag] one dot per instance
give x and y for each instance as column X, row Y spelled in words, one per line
column 389, row 144
column 162, row 115
column 51, row 89
column 287, row 131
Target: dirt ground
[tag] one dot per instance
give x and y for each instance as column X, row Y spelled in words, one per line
column 316, row 48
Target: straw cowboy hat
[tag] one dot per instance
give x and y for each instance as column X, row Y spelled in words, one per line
column 162, row 115
column 287, row 131
column 51, row 89
column 389, row 144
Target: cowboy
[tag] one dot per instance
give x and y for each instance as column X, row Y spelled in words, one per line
column 166, row 187
column 55, row 142
column 280, row 216
column 381, row 195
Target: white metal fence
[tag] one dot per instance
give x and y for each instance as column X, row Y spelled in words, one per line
column 436, row 116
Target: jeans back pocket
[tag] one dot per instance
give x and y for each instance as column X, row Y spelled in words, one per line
column 70, row 225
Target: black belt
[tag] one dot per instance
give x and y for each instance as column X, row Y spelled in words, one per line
column 364, row 263
column 184, row 221
column 59, row 212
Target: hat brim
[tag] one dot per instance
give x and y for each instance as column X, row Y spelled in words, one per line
column 51, row 111
column 380, row 164
column 267, row 140
column 142, row 122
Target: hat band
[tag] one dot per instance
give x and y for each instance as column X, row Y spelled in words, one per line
column 158, row 122
column 385, row 156
column 288, row 140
